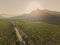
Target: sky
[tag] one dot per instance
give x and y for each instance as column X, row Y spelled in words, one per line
column 21, row 6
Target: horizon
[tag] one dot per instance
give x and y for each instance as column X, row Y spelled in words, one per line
column 18, row 7
column 14, row 15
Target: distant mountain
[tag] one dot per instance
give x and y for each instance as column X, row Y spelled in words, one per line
column 1, row 17
column 4, row 16
column 41, row 15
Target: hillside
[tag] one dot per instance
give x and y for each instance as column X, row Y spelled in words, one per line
column 41, row 15
column 1, row 17
column 5, row 16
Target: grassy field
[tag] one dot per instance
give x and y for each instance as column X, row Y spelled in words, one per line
column 6, row 33
column 41, row 33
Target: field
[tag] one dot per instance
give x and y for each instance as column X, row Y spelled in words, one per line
column 6, row 33
column 41, row 33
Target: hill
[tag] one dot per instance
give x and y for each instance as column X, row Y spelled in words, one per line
column 4, row 16
column 41, row 15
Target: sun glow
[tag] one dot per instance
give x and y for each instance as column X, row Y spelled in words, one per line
column 33, row 6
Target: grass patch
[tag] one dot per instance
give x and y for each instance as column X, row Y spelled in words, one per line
column 6, row 33
column 41, row 33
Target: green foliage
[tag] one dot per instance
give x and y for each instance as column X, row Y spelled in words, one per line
column 41, row 33
column 6, row 33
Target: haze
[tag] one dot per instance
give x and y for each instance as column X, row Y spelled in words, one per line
column 21, row 6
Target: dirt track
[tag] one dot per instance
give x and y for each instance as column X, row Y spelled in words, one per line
column 23, row 35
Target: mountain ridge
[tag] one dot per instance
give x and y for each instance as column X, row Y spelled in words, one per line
column 41, row 15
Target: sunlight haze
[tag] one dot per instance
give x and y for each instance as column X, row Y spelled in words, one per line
column 33, row 6
column 16, row 7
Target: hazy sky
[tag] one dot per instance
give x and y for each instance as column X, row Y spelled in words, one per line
column 19, row 6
